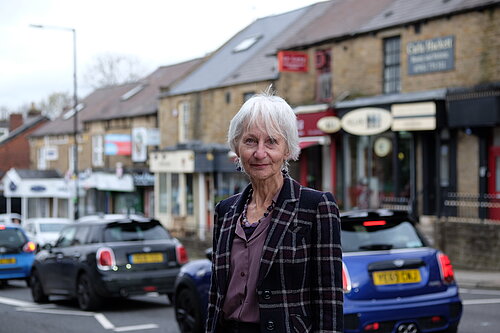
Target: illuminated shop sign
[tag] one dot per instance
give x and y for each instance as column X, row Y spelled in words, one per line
column 431, row 55
column 366, row 121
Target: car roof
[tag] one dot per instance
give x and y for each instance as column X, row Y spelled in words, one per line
column 374, row 213
column 48, row 220
column 107, row 218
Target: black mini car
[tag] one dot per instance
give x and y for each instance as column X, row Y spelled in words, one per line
column 108, row 256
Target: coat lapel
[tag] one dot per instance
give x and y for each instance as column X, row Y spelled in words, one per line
column 282, row 217
column 225, row 243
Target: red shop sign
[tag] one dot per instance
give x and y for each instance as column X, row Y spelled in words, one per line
column 307, row 122
column 292, row 61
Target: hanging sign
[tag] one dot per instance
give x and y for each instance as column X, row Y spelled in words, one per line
column 366, row 121
column 292, row 61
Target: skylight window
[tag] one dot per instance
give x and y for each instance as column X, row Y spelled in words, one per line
column 246, row 44
column 132, row 92
column 70, row 113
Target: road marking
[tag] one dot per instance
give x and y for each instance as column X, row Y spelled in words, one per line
column 480, row 291
column 136, row 328
column 56, row 311
column 481, row 301
column 15, row 302
column 104, row 321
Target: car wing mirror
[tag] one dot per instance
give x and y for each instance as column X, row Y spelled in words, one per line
column 208, row 253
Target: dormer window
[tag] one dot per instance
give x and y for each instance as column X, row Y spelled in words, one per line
column 246, row 44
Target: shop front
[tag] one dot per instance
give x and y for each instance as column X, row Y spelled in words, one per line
column 388, row 154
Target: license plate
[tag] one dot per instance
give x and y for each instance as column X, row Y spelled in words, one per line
column 396, row 277
column 146, row 258
column 7, row 261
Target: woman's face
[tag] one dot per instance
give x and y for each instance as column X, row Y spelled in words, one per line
column 262, row 156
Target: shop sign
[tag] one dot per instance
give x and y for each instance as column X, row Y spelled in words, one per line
column 431, row 55
column 38, row 188
column 414, row 116
column 179, row 161
column 329, row 124
column 118, row 144
column 51, row 153
column 366, row 121
column 139, row 148
column 292, row 61
column 307, row 123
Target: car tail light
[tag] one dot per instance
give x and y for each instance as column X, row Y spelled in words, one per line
column 2, row 227
column 447, row 274
column 29, row 247
column 374, row 223
column 182, row 256
column 346, row 279
column 372, row 327
column 105, row 258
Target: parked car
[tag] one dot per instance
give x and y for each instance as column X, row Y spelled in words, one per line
column 45, row 230
column 11, row 218
column 17, row 253
column 394, row 281
column 108, row 256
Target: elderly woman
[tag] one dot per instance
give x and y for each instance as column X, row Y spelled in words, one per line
column 277, row 260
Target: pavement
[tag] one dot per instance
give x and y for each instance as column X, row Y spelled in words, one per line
column 470, row 279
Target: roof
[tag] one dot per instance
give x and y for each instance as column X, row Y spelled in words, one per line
column 368, row 16
column 228, row 67
column 37, row 174
column 112, row 102
column 29, row 123
column 144, row 94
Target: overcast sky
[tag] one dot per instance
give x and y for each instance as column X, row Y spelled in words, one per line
column 37, row 62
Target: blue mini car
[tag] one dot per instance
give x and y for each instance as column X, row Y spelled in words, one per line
column 17, row 253
column 393, row 280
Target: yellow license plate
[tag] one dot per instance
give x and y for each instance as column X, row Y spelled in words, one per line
column 147, row 258
column 7, row 261
column 396, row 277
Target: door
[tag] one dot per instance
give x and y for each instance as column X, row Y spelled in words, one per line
column 494, row 182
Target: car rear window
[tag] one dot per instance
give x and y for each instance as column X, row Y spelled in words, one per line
column 124, row 232
column 12, row 238
column 379, row 235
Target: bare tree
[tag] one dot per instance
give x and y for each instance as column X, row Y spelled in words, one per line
column 112, row 69
column 54, row 104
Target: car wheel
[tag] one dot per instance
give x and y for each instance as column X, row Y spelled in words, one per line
column 36, row 287
column 86, row 295
column 188, row 312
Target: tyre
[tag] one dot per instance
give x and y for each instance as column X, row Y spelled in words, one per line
column 36, row 287
column 188, row 311
column 86, row 295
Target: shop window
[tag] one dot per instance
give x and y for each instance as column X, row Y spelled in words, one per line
column 175, row 198
column 41, row 161
column 392, row 65
column 189, row 194
column 184, row 117
column 97, row 150
column 162, row 195
column 227, row 184
column 324, row 76
column 444, row 165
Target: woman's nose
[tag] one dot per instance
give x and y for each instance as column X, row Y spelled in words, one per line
column 260, row 152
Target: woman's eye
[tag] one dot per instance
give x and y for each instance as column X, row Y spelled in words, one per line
column 249, row 140
column 272, row 141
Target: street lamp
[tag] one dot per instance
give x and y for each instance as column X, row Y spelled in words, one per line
column 75, row 111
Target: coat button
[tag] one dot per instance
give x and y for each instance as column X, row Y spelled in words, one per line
column 267, row 294
column 270, row 325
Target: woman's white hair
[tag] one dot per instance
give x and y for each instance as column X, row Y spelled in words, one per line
column 274, row 114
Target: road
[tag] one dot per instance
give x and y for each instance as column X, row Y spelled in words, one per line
column 154, row 314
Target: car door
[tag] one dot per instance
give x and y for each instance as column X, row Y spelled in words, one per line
column 73, row 255
column 57, row 266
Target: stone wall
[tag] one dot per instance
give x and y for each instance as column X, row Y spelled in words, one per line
column 470, row 245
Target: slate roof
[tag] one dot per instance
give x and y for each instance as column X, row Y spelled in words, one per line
column 347, row 18
column 226, row 67
column 108, row 103
column 29, row 123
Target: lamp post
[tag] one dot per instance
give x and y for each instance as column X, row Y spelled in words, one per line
column 75, row 112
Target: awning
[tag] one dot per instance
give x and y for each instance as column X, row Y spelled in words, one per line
column 310, row 141
column 109, row 182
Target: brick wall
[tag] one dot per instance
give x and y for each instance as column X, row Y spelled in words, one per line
column 470, row 245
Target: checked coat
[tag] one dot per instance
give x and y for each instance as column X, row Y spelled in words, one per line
column 299, row 286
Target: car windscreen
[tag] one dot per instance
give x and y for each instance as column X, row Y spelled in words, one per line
column 123, row 232
column 51, row 227
column 12, row 238
column 379, row 235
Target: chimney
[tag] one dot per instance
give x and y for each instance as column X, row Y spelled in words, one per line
column 15, row 120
